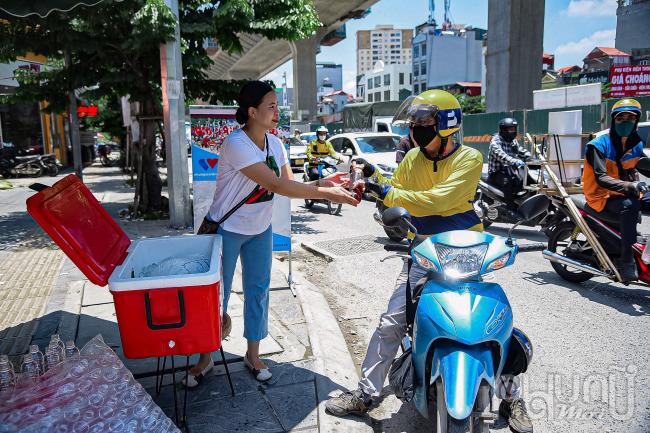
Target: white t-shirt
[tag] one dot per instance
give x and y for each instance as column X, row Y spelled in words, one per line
column 239, row 151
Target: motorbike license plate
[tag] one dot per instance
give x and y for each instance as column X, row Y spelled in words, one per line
column 300, row 161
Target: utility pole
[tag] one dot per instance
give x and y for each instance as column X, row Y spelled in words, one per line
column 284, row 89
column 74, row 124
column 171, row 71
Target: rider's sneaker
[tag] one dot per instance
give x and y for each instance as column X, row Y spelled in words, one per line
column 349, row 402
column 517, row 415
column 628, row 271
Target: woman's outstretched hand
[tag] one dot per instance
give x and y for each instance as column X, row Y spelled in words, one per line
column 338, row 194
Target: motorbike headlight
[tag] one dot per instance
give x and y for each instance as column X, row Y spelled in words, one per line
column 462, row 262
column 498, row 263
column 424, row 262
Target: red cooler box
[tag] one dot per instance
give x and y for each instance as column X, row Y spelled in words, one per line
column 157, row 316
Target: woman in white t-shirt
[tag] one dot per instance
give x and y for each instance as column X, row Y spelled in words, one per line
column 250, row 157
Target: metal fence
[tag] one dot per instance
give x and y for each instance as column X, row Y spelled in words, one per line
column 479, row 128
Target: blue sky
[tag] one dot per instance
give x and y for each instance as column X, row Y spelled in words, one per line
column 571, row 29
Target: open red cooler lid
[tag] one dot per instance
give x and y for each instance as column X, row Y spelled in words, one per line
column 81, row 227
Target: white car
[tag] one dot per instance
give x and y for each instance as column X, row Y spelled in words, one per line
column 378, row 148
column 297, row 153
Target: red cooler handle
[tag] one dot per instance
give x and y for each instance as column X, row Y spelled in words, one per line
column 153, row 326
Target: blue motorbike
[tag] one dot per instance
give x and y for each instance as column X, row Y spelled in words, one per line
column 461, row 335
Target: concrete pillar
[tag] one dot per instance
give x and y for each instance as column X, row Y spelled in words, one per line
column 304, row 77
column 514, row 53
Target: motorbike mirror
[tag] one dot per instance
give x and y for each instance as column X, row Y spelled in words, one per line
column 534, row 206
column 643, row 166
column 395, row 216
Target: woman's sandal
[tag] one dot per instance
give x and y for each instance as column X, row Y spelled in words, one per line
column 262, row 375
column 194, row 381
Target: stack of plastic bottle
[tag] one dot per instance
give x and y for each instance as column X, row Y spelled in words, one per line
column 68, row 390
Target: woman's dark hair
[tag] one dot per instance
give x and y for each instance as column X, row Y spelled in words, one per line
column 250, row 95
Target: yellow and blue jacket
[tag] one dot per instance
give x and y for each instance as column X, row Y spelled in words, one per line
column 316, row 149
column 440, row 198
column 609, row 172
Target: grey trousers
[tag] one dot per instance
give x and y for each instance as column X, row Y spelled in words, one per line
column 386, row 339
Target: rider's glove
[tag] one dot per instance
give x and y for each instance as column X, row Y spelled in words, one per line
column 641, row 187
column 520, row 163
column 377, row 190
column 526, row 156
column 368, row 168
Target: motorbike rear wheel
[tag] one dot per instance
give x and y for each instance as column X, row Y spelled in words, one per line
column 559, row 241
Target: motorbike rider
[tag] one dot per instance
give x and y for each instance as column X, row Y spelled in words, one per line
column 505, row 159
column 319, row 148
column 436, row 182
column 610, row 180
column 405, row 144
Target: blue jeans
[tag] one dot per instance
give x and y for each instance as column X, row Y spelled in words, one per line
column 256, row 254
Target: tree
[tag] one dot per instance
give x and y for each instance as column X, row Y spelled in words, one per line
column 115, row 52
column 472, row 104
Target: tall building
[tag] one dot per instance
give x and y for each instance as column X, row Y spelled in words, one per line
column 444, row 58
column 329, row 74
column 385, row 43
column 385, row 83
column 632, row 18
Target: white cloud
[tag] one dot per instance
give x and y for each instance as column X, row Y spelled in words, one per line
column 582, row 8
column 350, row 81
column 602, row 38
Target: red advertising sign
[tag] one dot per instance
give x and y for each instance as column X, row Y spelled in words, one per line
column 630, row 80
column 90, row 111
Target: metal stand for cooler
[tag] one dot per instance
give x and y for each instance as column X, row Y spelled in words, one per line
column 160, row 376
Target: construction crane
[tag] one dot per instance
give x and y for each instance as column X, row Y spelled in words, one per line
column 446, row 24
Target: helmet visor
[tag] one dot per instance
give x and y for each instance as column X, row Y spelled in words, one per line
column 422, row 115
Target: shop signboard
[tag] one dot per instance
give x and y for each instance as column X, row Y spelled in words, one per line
column 629, row 81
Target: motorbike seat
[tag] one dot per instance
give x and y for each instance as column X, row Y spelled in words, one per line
column 493, row 190
column 581, row 202
column 27, row 158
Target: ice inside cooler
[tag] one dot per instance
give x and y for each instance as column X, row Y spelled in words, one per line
column 146, row 253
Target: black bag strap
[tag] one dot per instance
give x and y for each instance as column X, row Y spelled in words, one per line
column 249, row 196
column 410, row 307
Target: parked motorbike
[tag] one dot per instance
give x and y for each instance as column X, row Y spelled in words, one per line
column 461, row 334
column 571, row 254
column 491, row 207
column 326, row 167
column 109, row 154
column 13, row 165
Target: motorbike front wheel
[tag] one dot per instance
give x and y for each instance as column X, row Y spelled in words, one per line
column 309, row 203
column 334, row 208
column 559, row 242
column 51, row 169
column 445, row 422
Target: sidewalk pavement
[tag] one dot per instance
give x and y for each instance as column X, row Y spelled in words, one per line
column 305, row 348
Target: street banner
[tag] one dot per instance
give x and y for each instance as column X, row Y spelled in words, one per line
column 210, row 125
column 629, row 80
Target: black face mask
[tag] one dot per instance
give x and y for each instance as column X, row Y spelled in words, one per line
column 423, row 135
column 508, row 136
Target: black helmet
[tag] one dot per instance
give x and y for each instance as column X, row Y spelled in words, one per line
column 505, row 124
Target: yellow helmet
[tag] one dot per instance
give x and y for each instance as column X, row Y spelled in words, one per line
column 432, row 104
column 627, row 105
